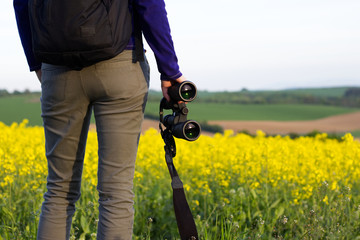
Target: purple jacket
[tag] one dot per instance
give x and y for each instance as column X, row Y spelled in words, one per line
column 156, row 31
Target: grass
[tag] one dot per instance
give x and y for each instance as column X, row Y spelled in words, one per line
column 18, row 107
column 356, row 133
column 275, row 112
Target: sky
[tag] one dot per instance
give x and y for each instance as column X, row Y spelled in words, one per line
column 229, row 45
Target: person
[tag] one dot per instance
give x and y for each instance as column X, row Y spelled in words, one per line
column 115, row 90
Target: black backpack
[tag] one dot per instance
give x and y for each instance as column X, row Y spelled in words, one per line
column 79, row 33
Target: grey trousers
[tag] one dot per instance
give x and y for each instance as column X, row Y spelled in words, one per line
column 116, row 91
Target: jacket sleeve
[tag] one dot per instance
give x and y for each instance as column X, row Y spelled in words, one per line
column 156, row 30
column 23, row 24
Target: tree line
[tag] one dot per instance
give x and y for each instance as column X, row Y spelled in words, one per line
column 350, row 97
column 5, row 93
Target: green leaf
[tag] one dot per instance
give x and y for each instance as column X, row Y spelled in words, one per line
column 84, row 224
column 82, row 236
column 279, row 212
column 274, row 204
column 253, row 193
column 258, row 213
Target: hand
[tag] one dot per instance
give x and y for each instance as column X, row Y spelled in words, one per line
column 38, row 74
column 166, row 84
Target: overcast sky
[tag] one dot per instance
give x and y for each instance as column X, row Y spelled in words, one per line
column 235, row 44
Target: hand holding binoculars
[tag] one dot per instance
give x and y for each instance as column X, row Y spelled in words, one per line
column 177, row 122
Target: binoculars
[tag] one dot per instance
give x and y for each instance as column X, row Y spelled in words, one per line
column 177, row 122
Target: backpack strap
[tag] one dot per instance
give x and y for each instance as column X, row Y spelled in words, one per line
column 138, row 54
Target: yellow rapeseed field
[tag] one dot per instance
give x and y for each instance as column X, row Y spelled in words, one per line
column 232, row 181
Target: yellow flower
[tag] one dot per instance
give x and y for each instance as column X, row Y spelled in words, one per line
column 326, row 200
column 207, row 166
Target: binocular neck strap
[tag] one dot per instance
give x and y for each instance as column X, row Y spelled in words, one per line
column 184, row 218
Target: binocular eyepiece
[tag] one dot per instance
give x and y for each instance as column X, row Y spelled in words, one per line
column 177, row 122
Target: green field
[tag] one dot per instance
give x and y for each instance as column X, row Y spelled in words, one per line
column 356, row 133
column 17, row 107
column 276, row 112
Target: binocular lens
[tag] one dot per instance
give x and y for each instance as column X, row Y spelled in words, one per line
column 187, row 92
column 191, row 130
column 184, row 91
